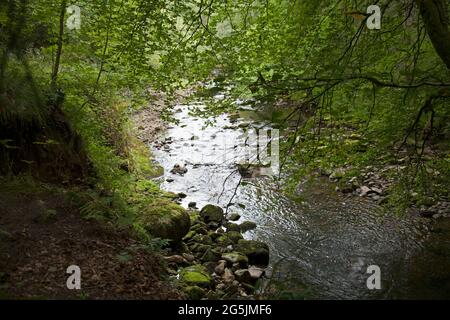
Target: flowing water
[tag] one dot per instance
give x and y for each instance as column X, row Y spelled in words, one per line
column 325, row 242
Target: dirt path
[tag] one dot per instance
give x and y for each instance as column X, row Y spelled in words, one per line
column 41, row 234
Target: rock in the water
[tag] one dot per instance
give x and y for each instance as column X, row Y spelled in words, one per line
column 211, row 213
column 233, row 227
column 247, row 225
column 234, row 236
column 166, row 220
column 178, row 169
column 192, row 205
column 257, row 252
column 236, row 257
column 196, row 275
column 234, row 217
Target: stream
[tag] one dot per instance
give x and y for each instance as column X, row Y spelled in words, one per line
column 325, row 242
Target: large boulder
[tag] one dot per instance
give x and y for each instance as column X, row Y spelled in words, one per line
column 212, row 213
column 165, row 219
column 256, row 251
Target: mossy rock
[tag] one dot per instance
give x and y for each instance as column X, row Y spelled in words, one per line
column 235, row 257
column 234, row 217
column 211, row 255
column 247, row 226
column 194, row 216
column 234, row 236
column 211, row 213
column 191, row 234
column 196, row 275
column 214, row 235
column 194, row 292
column 203, row 247
column 233, row 227
column 165, row 219
column 224, row 240
column 256, row 251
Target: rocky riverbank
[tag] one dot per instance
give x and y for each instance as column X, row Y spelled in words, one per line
column 376, row 183
column 214, row 261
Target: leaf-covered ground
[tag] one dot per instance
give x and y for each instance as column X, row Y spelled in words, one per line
column 42, row 234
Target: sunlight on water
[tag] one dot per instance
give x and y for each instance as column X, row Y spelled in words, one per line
column 325, row 243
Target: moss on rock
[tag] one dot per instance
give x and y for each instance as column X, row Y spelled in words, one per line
column 211, row 213
column 235, row 257
column 196, row 275
column 257, row 252
column 165, row 219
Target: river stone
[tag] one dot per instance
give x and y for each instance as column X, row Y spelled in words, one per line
column 220, row 268
column 247, row 226
column 210, row 266
column 166, row 220
column 196, row 275
column 213, row 235
column 255, row 272
column 179, row 169
column 235, row 257
column 191, row 234
column 233, row 227
column 202, row 247
column 211, row 255
column 224, row 240
column 192, row 205
column 364, row 191
column 194, row 292
column 257, row 252
column 234, row 217
column 213, row 225
column 228, row 276
column 205, row 239
column 189, row 257
column 211, row 213
column 243, row 275
column 234, row 236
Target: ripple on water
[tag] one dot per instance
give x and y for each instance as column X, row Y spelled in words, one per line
column 325, row 243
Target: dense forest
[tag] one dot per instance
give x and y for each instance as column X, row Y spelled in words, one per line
column 92, row 94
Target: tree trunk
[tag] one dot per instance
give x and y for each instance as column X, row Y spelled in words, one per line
column 60, row 44
column 435, row 16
